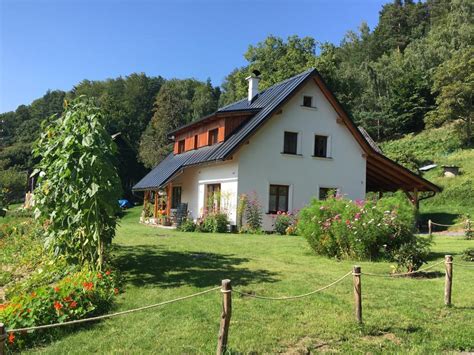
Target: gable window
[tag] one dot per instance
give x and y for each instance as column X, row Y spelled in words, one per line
column 326, row 192
column 176, row 197
column 181, row 146
column 307, row 101
column 321, row 146
column 196, row 141
column 290, row 145
column 213, row 133
column 278, row 200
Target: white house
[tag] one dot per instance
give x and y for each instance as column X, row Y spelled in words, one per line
column 287, row 144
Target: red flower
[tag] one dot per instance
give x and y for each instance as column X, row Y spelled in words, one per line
column 88, row 285
column 57, row 305
column 56, row 289
column 68, row 299
column 73, row 304
column 116, row 291
column 11, row 338
column 108, row 272
column 348, row 222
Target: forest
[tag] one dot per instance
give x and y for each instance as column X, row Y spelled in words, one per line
column 413, row 71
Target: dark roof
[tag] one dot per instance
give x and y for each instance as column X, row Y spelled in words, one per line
column 266, row 102
column 369, row 140
column 172, row 164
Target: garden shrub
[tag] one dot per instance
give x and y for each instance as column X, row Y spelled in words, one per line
column 213, row 223
column 253, row 214
column 285, row 223
column 82, row 294
column 187, row 225
column 338, row 227
column 468, row 254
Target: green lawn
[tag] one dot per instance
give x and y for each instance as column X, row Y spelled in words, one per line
column 400, row 315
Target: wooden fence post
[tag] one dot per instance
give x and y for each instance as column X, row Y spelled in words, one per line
column 448, row 281
column 3, row 337
column 225, row 316
column 429, row 227
column 357, row 292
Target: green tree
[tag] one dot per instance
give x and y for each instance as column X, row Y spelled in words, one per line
column 454, row 84
column 276, row 59
column 179, row 102
column 78, row 185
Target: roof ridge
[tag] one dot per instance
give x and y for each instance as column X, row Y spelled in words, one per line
column 270, row 87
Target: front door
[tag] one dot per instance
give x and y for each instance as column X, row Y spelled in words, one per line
column 213, row 197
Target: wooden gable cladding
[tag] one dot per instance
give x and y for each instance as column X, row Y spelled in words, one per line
column 197, row 136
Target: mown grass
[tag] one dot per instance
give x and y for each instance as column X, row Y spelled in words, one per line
column 400, row 315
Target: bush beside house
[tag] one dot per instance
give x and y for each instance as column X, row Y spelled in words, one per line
column 364, row 230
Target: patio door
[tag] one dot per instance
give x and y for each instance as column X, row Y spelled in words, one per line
column 213, row 197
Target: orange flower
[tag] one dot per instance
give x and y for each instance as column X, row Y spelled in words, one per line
column 116, row 291
column 11, row 338
column 88, row 285
column 56, row 289
column 99, row 275
column 73, row 304
column 3, row 306
column 33, row 294
column 108, row 272
column 57, row 305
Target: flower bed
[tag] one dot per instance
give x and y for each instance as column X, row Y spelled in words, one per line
column 78, row 295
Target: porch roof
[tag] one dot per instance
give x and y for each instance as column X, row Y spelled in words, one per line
column 172, row 164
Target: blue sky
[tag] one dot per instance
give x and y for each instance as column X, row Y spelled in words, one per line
column 54, row 44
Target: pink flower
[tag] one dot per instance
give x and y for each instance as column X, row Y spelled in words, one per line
column 357, row 216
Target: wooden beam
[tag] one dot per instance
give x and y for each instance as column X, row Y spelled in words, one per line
column 155, row 209
column 168, row 199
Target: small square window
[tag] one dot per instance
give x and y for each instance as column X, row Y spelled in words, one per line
column 213, row 134
column 320, row 146
column 290, row 145
column 326, row 192
column 181, row 146
column 307, row 101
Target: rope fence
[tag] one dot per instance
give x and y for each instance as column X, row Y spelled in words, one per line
column 404, row 273
column 226, row 291
column 467, row 224
column 285, row 298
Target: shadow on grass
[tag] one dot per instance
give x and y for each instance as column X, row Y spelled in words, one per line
column 155, row 266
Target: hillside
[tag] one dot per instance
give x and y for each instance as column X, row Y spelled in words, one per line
column 441, row 146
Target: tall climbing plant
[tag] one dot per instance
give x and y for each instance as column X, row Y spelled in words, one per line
column 78, row 186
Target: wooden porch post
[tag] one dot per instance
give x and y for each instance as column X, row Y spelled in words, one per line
column 168, row 199
column 155, row 210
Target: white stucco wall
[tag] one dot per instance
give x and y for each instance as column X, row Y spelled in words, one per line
column 261, row 162
column 194, row 179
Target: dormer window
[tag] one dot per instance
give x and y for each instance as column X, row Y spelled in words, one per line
column 308, row 101
column 213, row 133
column 181, row 146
